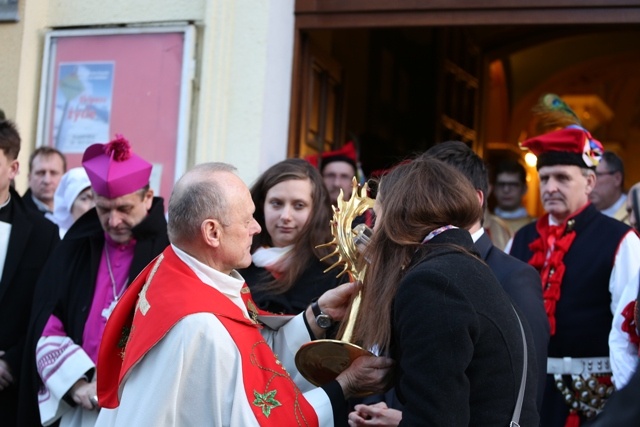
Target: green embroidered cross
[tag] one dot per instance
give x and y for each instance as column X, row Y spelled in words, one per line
column 266, row 401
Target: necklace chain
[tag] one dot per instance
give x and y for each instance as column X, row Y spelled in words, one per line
column 116, row 296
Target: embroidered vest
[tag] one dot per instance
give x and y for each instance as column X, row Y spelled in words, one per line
column 583, row 314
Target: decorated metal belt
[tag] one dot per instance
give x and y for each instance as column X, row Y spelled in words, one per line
column 585, row 382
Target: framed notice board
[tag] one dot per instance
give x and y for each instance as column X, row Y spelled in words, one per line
column 130, row 81
column 8, row 10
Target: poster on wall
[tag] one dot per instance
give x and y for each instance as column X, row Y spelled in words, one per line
column 136, row 82
column 82, row 105
column 9, row 10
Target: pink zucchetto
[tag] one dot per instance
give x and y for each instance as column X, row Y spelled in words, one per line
column 114, row 170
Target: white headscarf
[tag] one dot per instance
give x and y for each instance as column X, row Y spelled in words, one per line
column 71, row 185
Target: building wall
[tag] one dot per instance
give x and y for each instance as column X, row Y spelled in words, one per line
column 11, row 48
column 242, row 85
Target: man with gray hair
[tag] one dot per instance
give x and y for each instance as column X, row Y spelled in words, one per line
column 586, row 262
column 187, row 343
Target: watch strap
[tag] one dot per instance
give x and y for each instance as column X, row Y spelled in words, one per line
column 315, row 308
column 323, row 320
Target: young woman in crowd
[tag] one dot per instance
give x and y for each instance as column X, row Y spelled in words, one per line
column 292, row 207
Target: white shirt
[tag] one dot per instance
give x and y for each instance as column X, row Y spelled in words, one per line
column 613, row 209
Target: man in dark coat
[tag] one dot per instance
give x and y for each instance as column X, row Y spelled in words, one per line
column 26, row 240
column 100, row 255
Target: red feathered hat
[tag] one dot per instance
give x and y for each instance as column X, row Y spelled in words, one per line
column 572, row 145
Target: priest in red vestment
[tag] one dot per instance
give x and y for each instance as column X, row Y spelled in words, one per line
column 187, row 346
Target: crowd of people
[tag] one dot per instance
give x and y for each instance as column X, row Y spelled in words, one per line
column 123, row 315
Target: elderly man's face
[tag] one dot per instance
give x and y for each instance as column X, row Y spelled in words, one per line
column 338, row 176
column 238, row 229
column 564, row 189
column 118, row 216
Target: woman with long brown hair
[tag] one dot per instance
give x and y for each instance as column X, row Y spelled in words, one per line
column 430, row 303
column 292, row 207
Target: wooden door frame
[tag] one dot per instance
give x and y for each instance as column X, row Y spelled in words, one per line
column 341, row 14
column 327, row 14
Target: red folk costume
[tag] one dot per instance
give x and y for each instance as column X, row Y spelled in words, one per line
column 577, row 261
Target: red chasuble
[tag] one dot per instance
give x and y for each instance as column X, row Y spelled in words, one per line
column 167, row 291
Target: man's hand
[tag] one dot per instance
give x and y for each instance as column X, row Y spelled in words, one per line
column 335, row 301
column 374, row 415
column 84, row 394
column 6, row 378
column 366, row 375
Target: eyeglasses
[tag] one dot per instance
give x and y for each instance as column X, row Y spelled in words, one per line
column 605, row 173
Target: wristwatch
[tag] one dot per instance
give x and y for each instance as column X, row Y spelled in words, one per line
column 323, row 320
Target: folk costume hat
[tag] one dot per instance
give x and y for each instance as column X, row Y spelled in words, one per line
column 347, row 153
column 562, row 140
column 114, row 170
column 572, row 145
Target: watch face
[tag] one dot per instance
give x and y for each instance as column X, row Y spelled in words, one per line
column 324, row 321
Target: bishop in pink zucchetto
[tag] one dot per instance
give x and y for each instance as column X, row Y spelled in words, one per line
column 114, row 169
column 100, row 255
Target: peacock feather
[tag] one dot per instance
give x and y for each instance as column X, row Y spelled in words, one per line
column 552, row 113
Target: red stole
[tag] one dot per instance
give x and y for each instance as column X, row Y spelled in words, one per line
column 167, row 291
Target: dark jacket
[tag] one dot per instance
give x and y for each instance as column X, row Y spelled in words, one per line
column 522, row 283
column 67, row 284
column 31, row 241
column 312, row 283
column 27, row 199
column 457, row 342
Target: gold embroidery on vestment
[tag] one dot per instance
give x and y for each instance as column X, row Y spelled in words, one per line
column 143, row 303
column 266, row 401
column 253, row 311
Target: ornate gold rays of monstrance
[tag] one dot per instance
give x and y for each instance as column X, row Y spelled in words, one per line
column 321, row 361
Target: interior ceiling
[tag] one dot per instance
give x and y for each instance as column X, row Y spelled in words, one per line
column 533, row 64
column 533, row 53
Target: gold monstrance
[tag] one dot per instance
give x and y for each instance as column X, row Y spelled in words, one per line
column 321, row 361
